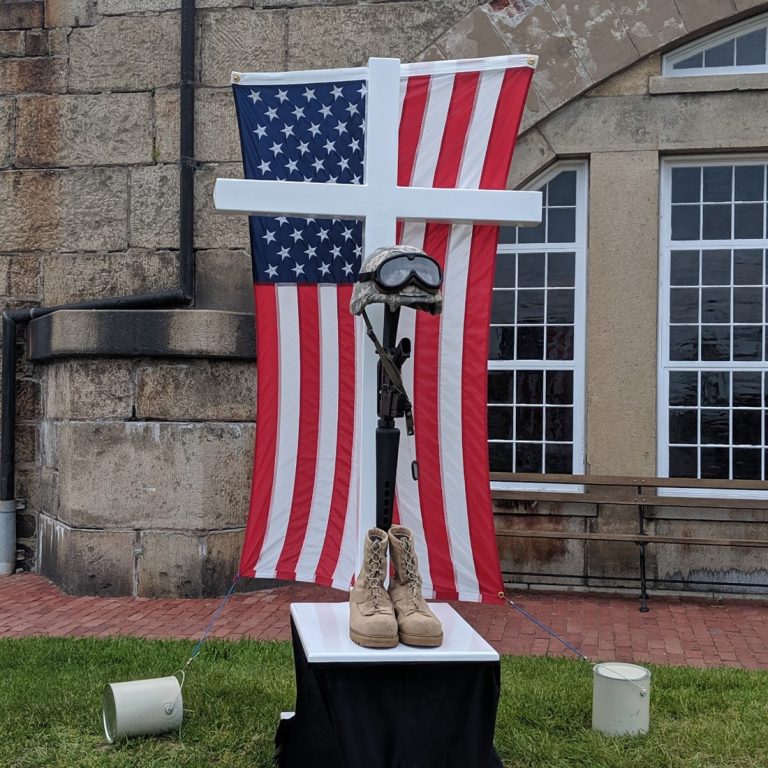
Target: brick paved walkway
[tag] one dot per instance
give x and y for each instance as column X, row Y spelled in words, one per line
column 690, row 631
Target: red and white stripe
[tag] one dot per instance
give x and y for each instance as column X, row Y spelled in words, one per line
column 457, row 130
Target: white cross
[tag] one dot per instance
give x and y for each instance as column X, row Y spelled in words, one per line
column 380, row 202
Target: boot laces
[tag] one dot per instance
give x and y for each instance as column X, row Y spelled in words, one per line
column 375, row 573
column 411, row 570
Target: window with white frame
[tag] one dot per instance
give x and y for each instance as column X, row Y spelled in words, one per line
column 536, row 366
column 741, row 48
column 713, row 396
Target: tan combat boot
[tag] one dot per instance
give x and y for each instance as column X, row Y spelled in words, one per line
column 416, row 622
column 372, row 621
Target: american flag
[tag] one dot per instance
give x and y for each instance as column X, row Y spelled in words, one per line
column 458, row 125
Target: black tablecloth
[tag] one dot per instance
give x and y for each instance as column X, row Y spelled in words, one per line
column 392, row 715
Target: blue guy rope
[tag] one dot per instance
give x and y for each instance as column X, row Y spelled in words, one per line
column 547, row 629
column 196, row 649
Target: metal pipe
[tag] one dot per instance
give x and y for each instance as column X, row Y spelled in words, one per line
column 182, row 296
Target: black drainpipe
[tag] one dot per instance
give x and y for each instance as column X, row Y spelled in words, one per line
column 183, row 296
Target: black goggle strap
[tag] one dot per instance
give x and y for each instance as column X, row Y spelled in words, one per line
column 392, row 372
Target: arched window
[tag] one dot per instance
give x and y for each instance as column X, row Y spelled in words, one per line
column 537, row 334
column 740, row 48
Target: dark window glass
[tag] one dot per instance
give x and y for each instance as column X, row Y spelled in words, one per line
column 686, row 185
column 682, row 462
column 530, row 387
column 560, row 342
column 500, row 386
column 685, row 268
column 559, row 424
column 500, row 423
column 562, row 189
column 529, row 423
column 747, row 305
column 684, row 305
column 717, row 222
column 748, row 342
column 692, row 62
column 508, row 235
column 530, row 306
column 686, row 222
column 530, row 343
column 530, row 270
column 720, row 55
column 528, row 457
column 715, row 305
column 715, row 388
column 561, row 270
column 535, row 234
column 683, row 342
column 714, row 426
column 750, row 48
column 747, row 221
column 502, row 344
column 748, row 267
column 562, row 225
column 716, row 268
column 559, row 387
column 714, row 463
column 715, row 342
column 503, row 307
column 500, row 457
column 749, row 182
column 747, row 427
column 717, row 183
column 683, row 424
column 505, row 271
column 559, row 459
column 683, row 388
column 560, row 306
column 746, row 463
column 746, row 389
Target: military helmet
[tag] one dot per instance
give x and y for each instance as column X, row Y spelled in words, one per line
column 398, row 276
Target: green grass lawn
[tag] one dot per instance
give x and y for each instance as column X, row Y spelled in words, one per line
column 50, row 709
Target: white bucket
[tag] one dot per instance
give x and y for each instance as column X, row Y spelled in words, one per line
column 621, row 697
column 142, row 707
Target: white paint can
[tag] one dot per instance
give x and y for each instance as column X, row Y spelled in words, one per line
column 621, row 697
column 142, row 707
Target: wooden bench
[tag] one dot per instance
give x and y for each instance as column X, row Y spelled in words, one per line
column 642, row 492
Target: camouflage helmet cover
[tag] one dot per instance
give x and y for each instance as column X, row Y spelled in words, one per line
column 367, row 292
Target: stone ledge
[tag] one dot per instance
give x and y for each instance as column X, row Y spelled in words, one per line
column 755, row 81
column 142, row 333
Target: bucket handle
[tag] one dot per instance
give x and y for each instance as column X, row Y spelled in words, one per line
column 643, row 691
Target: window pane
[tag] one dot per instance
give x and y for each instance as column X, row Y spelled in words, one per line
column 530, row 387
column 559, row 424
column 686, row 185
column 559, row 387
column 561, row 269
column 685, row 268
column 686, row 222
column 748, row 342
column 505, row 271
column 717, row 222
column 560, row 342
column 747, row 429
column 528, row 457
column 562, row 225
column 535, row 234
column 749, row 182
column 683, row 388
column 560, row 306
column 715, row 342
column 717, row 183
column 748, row 267
column 747, row 305
column 684, row 342
column 715, row 305
column 500, row 386
column 500, row 457
column 750, row 48
column 720, row 55
column 530, row 306
column 500, row 423
column 714, row 463
column 684, row 305
column 507, row 235
column 530, row 423
column 714, row 425
column 530, row 270
column 503, row 307
column 562, row 189
column 716, row 267
column 530, row 343
column 715, row 388
column 683, row 425
column 746, row 464
column 559, row 459
column 502, row 344
column 746, row 389
column 747, row 221
column 683, row 462
column 692, row 62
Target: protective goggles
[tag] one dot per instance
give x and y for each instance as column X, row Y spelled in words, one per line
column 393, row 274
